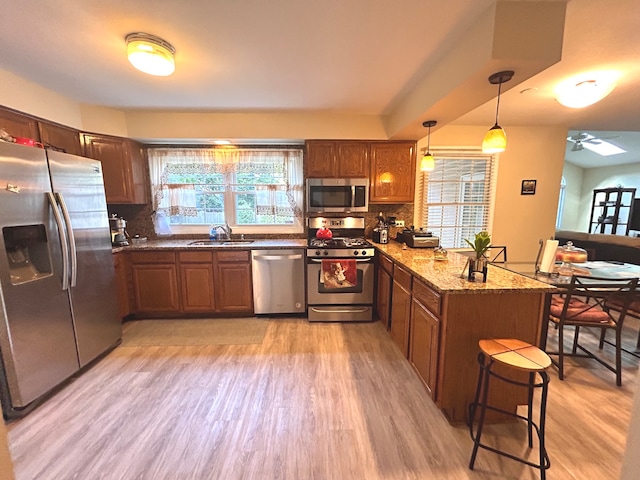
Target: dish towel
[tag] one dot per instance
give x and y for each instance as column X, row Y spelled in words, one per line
column 339, row 273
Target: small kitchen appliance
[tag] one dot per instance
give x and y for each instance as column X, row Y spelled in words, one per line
column 340, row 271
column 418, row 238
column 381, row 231
column 119, row 236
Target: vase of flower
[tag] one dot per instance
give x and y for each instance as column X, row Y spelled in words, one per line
column 478, row 263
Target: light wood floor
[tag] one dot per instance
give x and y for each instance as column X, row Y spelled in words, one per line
column 313, row 401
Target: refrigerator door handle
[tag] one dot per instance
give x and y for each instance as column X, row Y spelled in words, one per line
column 63, row 240
column 72, row 239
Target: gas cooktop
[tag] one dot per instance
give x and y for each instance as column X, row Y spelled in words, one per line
column 338, row 242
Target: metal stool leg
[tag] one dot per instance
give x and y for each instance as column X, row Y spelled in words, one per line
column 544, row 458
column 483, row 383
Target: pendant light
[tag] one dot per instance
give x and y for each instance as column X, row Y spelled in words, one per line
column 150, row 54
column 495, row 140
column 428, row 163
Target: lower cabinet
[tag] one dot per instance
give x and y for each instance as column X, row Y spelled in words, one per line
column 401, row 308
column 423, row 348
column 383, row 293
column 191, row 281
column 120, row 264
column 196, row 281
column 233, row 282
column 155, row 282
column 415, row 321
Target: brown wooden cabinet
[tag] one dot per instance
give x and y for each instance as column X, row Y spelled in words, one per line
column 401, row 308
column 233, row 282
column 122, row 167
column 383, row 297
column 58, row 137
column 392, row 175
column 196, row 281
column 17, row 124
column 199, row 281
column 155, row 282
column 424, row 333
column 336, row 158
column 121, row 264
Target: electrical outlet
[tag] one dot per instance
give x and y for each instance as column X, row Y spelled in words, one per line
column 399, row 223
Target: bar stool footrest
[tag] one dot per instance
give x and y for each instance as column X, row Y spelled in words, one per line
column 473, row 406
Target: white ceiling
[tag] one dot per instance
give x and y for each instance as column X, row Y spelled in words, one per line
column 340, row 56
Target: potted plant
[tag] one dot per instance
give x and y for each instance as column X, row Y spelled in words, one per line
column 478, row 264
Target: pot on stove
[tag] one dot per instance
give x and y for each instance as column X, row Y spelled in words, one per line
column 324, row 233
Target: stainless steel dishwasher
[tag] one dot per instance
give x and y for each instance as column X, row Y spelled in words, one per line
column 278, row 281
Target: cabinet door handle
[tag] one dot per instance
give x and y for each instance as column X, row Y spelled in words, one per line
column 278, row 257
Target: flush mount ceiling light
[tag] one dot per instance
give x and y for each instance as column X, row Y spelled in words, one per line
column 428, row 163
column 586, row 89
column 150, row 54
column 495, row 140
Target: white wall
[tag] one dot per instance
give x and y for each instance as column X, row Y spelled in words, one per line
column 519, row 221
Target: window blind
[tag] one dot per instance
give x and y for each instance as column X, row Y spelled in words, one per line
column 457, row 196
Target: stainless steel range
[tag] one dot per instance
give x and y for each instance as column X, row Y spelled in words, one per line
column 339, row 270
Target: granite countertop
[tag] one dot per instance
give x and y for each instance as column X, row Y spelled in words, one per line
column 184, row 244
column 446, row 276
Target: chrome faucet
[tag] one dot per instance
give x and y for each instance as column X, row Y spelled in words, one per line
column 226, row 230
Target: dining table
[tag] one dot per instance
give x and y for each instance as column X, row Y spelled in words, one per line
column 561, row 278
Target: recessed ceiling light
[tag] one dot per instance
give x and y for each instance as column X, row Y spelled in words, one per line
column 585, row 89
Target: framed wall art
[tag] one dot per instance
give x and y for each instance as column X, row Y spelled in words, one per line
column 528, row 187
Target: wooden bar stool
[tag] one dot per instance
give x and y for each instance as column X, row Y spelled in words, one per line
column 522, row 357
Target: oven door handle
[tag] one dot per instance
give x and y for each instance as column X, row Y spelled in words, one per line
column 359, row 260
column 347, row 310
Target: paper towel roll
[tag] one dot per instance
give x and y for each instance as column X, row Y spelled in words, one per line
column 549, row 256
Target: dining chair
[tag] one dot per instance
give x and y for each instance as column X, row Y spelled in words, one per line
column 497, row 254
column 583, row 303
column 633, row 310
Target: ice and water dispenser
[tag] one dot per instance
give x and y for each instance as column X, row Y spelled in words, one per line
column 27, row 253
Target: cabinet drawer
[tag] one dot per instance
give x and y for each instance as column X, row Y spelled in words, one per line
column 427, row 296
column 233, row 256
column 153, row 257
column 195, row 257
column 385, row 263
column 402, row 277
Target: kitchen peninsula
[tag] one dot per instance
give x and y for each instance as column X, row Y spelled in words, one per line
column 436, row 317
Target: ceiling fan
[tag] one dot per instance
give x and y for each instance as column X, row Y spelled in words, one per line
column 582, row 137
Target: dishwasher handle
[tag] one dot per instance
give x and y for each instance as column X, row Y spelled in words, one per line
column 297, row 256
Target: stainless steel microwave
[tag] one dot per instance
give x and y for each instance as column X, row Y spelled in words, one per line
column 342, row 195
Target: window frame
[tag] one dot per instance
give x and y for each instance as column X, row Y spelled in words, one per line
column 457, row 153
column 230, row 193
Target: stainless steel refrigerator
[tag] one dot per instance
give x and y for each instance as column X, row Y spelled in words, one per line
column 58, row 298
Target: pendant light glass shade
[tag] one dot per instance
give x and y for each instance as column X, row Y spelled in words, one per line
column 150, row 54
column 495, row 140
column 428, row 163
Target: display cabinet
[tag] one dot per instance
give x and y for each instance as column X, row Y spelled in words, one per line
column 611, row 210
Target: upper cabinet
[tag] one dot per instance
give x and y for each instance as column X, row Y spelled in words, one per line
column 57, row 137
column 393, row 167
column 337, row 159
column 17, row 124
column 122, row 167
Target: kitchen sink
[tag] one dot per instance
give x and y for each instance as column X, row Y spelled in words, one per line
column 221, row 242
